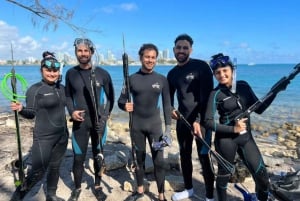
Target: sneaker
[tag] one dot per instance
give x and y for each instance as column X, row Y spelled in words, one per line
column 183, row 195
column 209, row 199
column 75, row 195
column 53, row 198
column 136, row 196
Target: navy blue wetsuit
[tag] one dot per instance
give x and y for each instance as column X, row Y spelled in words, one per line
column 46, row 103
column 146, row 90
column 228, row 143
column 192, row 83
column 80, row 97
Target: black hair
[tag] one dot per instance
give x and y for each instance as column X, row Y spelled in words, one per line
column 148, row 46
column 220, row 60
column 47, row 56
column 184, row 37
column 216, row 56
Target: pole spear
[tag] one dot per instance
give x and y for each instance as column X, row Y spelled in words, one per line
column 19, row 164
column 127, row 87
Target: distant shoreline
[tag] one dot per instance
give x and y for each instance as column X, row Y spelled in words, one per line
column 136, row 64
column 112, row 65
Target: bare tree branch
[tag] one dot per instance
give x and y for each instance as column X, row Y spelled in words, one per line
column 52, row 16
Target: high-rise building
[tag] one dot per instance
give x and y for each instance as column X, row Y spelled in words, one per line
column 166, row 54
column 110, row 56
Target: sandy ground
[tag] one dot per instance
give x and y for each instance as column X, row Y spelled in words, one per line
column 112, row 181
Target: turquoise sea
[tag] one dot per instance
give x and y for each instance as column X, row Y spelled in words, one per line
column 285, row 108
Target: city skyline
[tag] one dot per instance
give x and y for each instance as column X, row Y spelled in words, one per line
column 109, row 59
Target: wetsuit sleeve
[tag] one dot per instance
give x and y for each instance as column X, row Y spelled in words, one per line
column 166, row 100
column 209, row 120
column 109, row 92
column 172, row 89
column 251, row 98
column 206, row 86
column 69, row 97
column 30, row 110
column 265, row 104
column 123, row 98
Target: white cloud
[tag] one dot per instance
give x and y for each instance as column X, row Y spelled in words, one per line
column 124, row 6
column 107, row 9
column 8, row 34
column 30, row 43
column 62, row 47
column 44, row 39
column 22, row 46
column 226, row 43
column 128, row 6
column 244, row 45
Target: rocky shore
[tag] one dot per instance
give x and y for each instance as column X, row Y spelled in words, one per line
column 279, row 144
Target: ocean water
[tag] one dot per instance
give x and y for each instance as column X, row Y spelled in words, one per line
column 261, row 77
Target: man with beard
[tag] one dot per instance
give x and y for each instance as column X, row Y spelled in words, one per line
column 87, row 87
column 192, row 80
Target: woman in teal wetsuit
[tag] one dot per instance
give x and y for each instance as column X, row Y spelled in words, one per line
column 232, row 136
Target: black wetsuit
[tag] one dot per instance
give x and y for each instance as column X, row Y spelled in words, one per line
column 80, row 97
column 46, row 103
column 228, row 143
column 146, row 90
column 192, row 82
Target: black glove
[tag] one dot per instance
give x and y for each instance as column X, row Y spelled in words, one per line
column 101, row 124
column 281, row 85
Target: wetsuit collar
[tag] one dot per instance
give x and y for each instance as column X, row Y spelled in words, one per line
column 185, row 63
column 223, row 86
column 47, row 83
column 145, row 73
column 79, row 68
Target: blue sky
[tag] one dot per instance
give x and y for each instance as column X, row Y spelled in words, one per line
column 259, row 31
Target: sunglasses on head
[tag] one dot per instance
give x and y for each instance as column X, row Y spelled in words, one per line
column 220, row 62
column 52, row 64
column 84, row 41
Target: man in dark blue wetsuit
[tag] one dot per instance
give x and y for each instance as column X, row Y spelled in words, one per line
column 87, row 87
column 45, row 101
column 192, row 80
column 147, row 87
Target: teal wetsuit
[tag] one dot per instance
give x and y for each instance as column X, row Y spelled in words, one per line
column 228, row 143
column 79, row 96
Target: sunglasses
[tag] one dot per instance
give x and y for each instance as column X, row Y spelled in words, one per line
column 52, row 64
column 220, row 62
column 84, row 41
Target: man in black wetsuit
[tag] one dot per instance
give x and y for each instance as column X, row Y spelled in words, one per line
column 45, row 101
column 192, row 80
column 146, row 88
column 87, row 87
